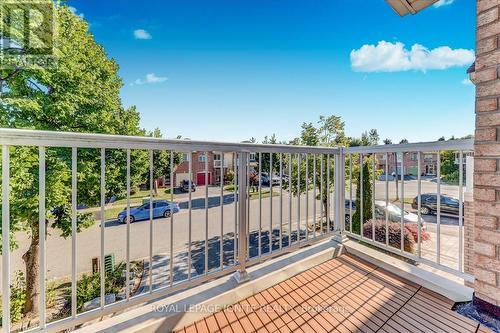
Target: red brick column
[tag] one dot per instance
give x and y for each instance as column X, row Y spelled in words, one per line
column 487, row 153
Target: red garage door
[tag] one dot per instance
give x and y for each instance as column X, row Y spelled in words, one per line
column 200, row 178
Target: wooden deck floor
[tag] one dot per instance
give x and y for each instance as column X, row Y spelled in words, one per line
column 342, row 295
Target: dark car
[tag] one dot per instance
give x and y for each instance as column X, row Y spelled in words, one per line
column 185, row 186
column 449, row 204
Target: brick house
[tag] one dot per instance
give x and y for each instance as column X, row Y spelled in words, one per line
column 215, row 160
column 428, row 163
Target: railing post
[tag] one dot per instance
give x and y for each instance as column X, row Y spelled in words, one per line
column 241, row 274
column 339, row 198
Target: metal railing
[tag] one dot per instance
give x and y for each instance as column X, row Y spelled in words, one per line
column 255, row 220
column 429, row 252
column 291, row 223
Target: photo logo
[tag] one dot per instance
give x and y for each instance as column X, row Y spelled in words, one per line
column 27, row 33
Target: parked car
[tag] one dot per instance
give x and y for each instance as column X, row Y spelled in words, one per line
column 185, row 186
column 161, row 208
column 428, row 205
column 264, row 179
column 276, row 180
column 393, row 211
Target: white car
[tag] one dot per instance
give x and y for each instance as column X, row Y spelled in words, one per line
column 394, row 213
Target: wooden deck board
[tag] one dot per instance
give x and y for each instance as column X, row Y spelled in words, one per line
column 343, row 295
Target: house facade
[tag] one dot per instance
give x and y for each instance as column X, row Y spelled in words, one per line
column 428, row 163
column 217, row 164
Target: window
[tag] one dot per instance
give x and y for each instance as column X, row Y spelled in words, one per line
column 381, row 157
column 185, row 157
column 428, row 157
column 160, row 204
column 202, row 157
column 414, row 156
column 217, row 157
column 252, row 157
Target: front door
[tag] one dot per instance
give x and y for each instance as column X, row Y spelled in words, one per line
column 200, row 178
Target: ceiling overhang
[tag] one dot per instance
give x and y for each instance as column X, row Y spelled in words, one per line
column 403, row 7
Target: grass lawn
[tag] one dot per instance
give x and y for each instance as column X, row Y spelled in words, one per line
column 137, row 197
column 406, row 200
column 253, row 195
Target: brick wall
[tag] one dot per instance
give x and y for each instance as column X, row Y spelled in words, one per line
column 486, row 230
column 469, row 236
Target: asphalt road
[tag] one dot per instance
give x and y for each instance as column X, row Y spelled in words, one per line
column 88, row 241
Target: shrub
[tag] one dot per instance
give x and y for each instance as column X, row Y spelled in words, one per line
column 413, row 228
column 230, row 176
column 17, row 298
column 394, row 234
column 89, row 286
column 367, row 198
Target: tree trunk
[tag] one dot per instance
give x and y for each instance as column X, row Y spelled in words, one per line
column 32, row 276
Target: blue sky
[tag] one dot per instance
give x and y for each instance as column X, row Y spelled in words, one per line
column 228, row 70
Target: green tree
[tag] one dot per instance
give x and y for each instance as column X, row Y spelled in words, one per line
column 80, row 94
column 367, row 198
column 449, row 169
column 161, row 161
column 330, row 132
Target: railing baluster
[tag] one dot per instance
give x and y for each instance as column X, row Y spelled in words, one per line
column 321, row 167
column 260, row 205
column 190, row 210
column 314, row 196
column 151, row 230
column 350, row 193
column 419, row 204
column 387, row 199
column 281, row 201
column 235, row 183
column 5, row 238
column 402, row 200
column 221, row 244
column 103, row 225
column 307, row 197
column 460, row 210
column 206, row 212
column 127, row 273
column 438, row 248
column 42, row 232
column 374, row 217
column 242, row 213
column 361, row 203
column 247, row 182
column 73, row 229
column 289, row 199
column 270, row 237
column 327, row 193
column 299, row 159
column 172, row 218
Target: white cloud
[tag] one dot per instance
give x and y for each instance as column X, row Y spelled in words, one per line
column 142, row 34
column 441, row 3
column 150, row 78
column 394, row 57
column 467, row 82
column 75, row 11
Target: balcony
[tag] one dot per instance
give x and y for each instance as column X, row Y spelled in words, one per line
column 221, row 164
column 222, row 244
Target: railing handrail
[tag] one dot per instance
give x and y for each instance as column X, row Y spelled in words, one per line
column 27, row 137
column 462, row 144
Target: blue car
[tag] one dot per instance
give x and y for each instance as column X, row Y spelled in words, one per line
column 161, row 208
